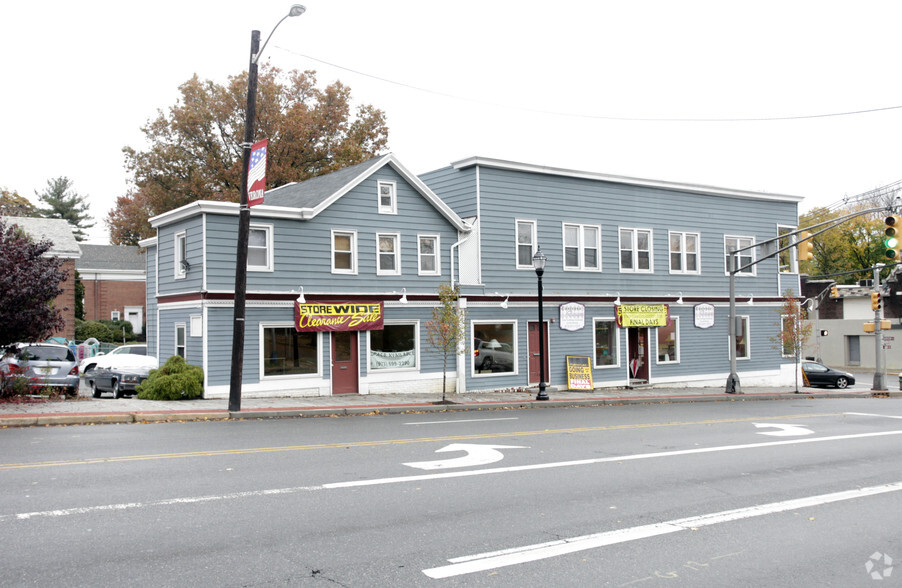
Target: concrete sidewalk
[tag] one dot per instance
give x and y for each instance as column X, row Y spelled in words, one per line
column 87, row 410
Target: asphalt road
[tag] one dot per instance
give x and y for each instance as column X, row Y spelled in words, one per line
column 801, row 493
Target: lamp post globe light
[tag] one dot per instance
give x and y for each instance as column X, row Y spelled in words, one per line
column 244, row 215
column 538, row 262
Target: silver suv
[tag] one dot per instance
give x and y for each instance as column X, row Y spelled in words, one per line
column 42, row 365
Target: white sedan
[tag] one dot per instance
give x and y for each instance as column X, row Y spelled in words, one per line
column 112, row 358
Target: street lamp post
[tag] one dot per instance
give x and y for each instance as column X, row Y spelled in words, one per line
column 538, row 262
column 244, row 215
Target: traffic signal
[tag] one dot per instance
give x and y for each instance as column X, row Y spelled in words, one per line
column 891, row 237
column 834, row 292
column 806, row 247
column 875, row 300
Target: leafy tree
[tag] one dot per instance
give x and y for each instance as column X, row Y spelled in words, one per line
column 29, row 283
column 64, row 202
column 447, row 329
column 79, row 297
column 12, row 204
column 195, row 150
column 794, row 330
column 856, row 244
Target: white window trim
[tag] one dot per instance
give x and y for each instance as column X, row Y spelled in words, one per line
column 175, row 346
column 616, row 335
column 748, row 253
column 261, row 332
column 270, row 254
column 397, row 270
column 176, row 253
column 748, row 344
column 197, row 325
column 676, row 334
column 416, row 338
column 792, row 251
column 438, row 256
column 698, row 252
column 353, row 235
column 393, row 208
column 534, row 238
column 115, row 315
column 635, row 250
column 580, row 267
column 516, row 349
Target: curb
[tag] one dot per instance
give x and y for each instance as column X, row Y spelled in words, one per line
column 26, row 420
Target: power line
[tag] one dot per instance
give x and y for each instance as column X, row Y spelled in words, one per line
column 593, row 116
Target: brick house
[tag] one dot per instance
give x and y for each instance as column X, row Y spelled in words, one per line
column 64, row 247
column 114, row 279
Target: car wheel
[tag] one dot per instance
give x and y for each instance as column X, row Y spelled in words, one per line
column 72, row 392
column 841, row 382
column 486, row 364
column 117, row 393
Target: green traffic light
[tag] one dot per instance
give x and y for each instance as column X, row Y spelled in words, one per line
column 891, row 242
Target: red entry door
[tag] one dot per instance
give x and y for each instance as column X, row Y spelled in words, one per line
column 534, row 352
column 344, row 362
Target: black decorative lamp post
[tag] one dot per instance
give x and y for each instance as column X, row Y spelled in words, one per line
column 538, row 262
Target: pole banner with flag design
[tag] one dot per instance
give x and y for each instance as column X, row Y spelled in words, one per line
column 256, row 175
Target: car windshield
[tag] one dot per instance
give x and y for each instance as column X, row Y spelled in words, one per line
column 40, row 353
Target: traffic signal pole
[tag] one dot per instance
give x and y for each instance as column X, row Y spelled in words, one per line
column 879, row 376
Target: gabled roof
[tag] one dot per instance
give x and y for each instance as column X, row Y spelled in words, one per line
column 110, row 257
column 316, row 194
column 55, row 230
column 304, row 200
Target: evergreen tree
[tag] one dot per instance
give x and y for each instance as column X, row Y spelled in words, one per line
column 64, row 202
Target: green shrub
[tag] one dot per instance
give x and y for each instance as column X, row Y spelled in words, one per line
column 106, row 331
column 176, row 380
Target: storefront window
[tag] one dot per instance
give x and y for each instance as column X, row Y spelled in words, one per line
column 494, row 348
column 394, row 347
column 287, row 352
column 606, row 352
column 669, row 342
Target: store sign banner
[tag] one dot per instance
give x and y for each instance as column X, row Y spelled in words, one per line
column 642, row 315
column 339, row 316
column 704, row 315
column 573, row 316
column 579, row 373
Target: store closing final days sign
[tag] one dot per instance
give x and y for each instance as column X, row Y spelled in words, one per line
column 642, row 315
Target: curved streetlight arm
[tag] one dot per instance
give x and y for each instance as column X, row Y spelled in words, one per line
column 296, row 10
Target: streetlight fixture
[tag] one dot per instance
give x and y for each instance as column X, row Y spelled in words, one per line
column 538, row 262
column 244, row 215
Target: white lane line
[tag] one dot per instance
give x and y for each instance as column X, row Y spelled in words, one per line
column 886, row 416
column 168, row 502
column 579, row 462
column 518, row 555
column 463, row 421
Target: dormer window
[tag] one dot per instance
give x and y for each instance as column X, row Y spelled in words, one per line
column 388, row 201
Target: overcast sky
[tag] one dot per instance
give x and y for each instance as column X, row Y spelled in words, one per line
column 547, row 83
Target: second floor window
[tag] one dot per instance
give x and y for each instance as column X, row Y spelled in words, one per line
column 684, row 253
column 635, row 250
column 581, row 246
column 344, row 252
column 428, row 255
column 181, row 255
column 389, row 254
column 526, row 243
column 259, row 249
column 743, row 258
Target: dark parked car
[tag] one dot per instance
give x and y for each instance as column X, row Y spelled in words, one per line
column 43, row 365
column 818, row 374
column 121, row 379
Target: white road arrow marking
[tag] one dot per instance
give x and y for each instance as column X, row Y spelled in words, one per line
column 477, row 455
column 785, row 430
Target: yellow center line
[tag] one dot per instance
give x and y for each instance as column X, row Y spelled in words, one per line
column 377, row 443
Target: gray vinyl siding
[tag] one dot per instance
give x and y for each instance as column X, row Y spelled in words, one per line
column 553, row 200
column 150, row 260
column 194, row 350
column 457, row 188
column 303, row 249
column 193, row 280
